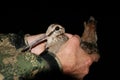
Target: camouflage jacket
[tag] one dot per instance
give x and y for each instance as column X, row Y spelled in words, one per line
column 17, row 65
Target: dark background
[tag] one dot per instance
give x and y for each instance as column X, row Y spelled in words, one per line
column 36, row 20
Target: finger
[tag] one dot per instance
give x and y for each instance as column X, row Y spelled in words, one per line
column 69, row 35
column 95, row 57
column 75, row 39
column 38, row 49
column 77, row 36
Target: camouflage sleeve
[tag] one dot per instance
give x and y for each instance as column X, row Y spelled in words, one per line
column 17, row 65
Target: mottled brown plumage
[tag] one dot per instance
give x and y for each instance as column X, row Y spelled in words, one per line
column 89, row 37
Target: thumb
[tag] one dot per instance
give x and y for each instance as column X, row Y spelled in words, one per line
column 73, row 42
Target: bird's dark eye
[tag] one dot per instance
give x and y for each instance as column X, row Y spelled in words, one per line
column 57, row 28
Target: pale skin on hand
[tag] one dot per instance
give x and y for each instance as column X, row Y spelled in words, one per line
column 74, row 60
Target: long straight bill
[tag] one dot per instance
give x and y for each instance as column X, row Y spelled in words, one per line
column 34, row 43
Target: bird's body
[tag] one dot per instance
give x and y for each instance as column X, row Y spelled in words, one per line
column 88, row 38
column 55, row 37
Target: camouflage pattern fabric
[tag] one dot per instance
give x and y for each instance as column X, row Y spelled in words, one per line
column 15, row 64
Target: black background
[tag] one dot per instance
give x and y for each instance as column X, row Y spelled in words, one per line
column 36, row 20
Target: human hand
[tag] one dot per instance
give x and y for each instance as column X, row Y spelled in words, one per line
column 74, row 60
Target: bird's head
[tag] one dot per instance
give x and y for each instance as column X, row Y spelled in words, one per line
column 55, row 30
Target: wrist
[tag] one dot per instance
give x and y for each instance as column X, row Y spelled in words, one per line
column 53, row 62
